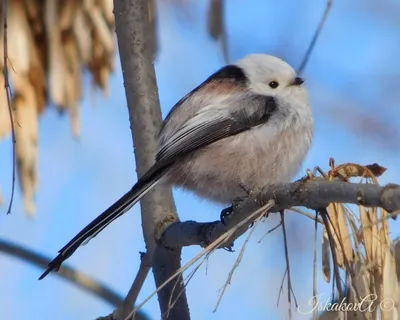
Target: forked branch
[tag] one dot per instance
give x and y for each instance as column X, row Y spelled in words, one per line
column 315, row 194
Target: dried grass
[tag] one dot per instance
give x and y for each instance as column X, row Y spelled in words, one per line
column 364, row 250
column 49, row 47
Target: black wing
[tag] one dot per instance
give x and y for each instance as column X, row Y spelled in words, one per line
column 214, row 123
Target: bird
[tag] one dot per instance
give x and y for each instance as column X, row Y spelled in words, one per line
column 248, row 124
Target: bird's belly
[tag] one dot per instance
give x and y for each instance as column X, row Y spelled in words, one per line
column 219, row 171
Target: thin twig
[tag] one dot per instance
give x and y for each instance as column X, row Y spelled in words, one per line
column 269, row 231
column 322, row 172
column 172, row 303
column 316, row 35
column 9, row 103
column 186, row 282
column 126, row 307
column 324, row 215
column 315, row 312
column 238, row 260
column 289, row 280
column 211, row 247
column 333, row 286
column 78, row 278
column 281, row 287
column 380, row 220
column 306, row 214
column 349, row 268
column 216, row 26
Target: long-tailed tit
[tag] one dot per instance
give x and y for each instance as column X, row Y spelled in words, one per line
column 248, row 124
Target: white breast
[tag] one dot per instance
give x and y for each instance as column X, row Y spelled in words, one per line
column 254, row 158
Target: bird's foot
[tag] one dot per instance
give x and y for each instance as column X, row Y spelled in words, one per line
column 246, row 189
column 224, row 213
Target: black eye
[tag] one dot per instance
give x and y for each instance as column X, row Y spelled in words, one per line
column 274, row 84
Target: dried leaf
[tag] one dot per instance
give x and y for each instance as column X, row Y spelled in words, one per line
column 82, row 34
column 366, row 232
column 73, row 81
column 100, row 26
column 19, row 31
column 355, row 232
column 34, row 12
column 372, row 214
column 107, row 10
column 344, row 234
column 27, row 136
column 385, row 226
column 67, row 15
column 5, row 123
column 326, row 256
column 50, row 44
column 351, row 170
column 376, row 169
column 390, row 287
column 56, row 61
column 333, row 217
column 376, row 288
column 37, row 77
column 362, row 282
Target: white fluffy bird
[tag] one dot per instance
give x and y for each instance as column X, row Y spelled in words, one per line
column 249, row 123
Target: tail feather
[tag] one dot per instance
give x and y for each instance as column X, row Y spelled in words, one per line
column 127, row 201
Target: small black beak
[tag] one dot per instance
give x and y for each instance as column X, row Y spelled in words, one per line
column 298, row 81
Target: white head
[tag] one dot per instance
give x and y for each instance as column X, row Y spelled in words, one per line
column 269, row 75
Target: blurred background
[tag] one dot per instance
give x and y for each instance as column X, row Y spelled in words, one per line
column 76, row 153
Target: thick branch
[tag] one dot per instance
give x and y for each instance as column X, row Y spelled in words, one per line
column 313, row 194
column 79, row 279
column 131, row 20
column 132, row 27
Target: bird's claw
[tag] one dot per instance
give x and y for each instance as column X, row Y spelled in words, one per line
column 246, row 189
column 224, row 213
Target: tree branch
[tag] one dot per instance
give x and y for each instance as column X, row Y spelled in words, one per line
column 315, row 37
column 9, row 102
column 79, row 279
column 132, row 27
column 314, row 195
column 126, row 307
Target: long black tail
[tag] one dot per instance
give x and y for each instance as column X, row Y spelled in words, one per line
column 127, row 201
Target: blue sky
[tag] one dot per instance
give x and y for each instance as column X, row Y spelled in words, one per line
column 352, row 75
